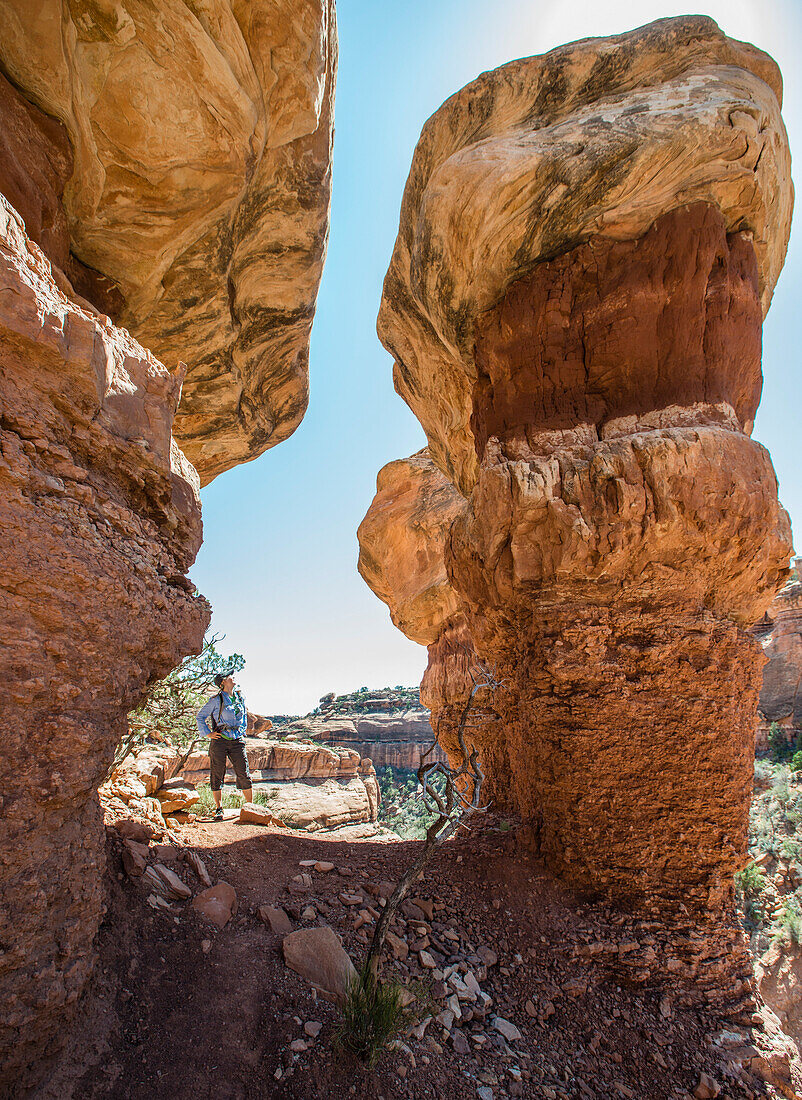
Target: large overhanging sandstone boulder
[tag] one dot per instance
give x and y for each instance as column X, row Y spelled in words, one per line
column 596, row 139
column 99, row 520
column 588, row 243
column 188, row 185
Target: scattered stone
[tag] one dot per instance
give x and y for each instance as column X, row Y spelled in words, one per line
column 134, row 863
column 178, row 798
column 530, row 1009
column 217, row 903
column 317, row 955
column 484, row 1092
column 307, row 862
column 135, row 830
column 507, row 1029
column 198, row 866
column 425, row 907
column 350, row 899
column 472, row 985
column 278, row 920
column 707, row 1089
column 460, row 1043
column 398, row 946
column 157, row 902
column 298, row 1046
column 488, row 956
column 426, row 960
column 309, row 913
column 166, row 883
column 323, row 867
column 312, row 1028
column 168, row 852
column 206, row 946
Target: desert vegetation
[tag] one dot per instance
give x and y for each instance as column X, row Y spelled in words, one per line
column 769, row 888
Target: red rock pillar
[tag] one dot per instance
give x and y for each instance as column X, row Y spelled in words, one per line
column 622, row 533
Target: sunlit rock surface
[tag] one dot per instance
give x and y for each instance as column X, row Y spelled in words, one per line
column 596, row 139
column 188, row 189
column 588, row 243
column 99, row 521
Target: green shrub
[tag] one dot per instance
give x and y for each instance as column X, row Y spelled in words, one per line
column 401, row 809
column 779, row 745
column 751, row 882
column 372, row 1017
column 796, row 762
column 749, row 886
column 788, row 926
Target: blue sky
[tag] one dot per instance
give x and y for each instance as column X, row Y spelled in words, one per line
column 279, row 557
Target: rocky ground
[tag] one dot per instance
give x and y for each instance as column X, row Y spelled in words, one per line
column 500, row 956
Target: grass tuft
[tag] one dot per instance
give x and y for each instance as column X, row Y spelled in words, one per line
column 373, row 1016
column 205, row 805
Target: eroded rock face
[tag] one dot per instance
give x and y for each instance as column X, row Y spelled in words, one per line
column 99, row 521
column 186, row 189
column 780, row 635
column 588, row 243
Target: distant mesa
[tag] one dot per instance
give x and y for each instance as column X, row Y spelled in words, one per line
column 389, row 726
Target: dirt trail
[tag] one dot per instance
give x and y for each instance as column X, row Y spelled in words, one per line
column 179, row 1022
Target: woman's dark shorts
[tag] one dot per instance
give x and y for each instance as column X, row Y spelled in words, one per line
column 221, row 748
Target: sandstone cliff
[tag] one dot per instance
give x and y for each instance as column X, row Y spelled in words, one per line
column 588, row 243
column 183, row 186
column 780, row 634
column 99, row 520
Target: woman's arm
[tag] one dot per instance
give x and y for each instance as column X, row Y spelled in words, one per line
column 243, row 722
column 203, row 718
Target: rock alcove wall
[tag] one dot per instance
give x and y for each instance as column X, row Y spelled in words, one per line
column 164, row 180
column 588, row 244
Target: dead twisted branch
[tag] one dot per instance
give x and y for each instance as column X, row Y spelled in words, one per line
column 453, row 807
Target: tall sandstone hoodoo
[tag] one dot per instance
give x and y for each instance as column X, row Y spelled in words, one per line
column 589, row 241
column 163, row 167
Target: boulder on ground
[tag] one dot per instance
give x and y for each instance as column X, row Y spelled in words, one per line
column 318, row 956
column 179, row 797
column 218, row 904
column 254, row 814
column 134, row 863
column 129, row 829
column 278, row 920
column 166, row 883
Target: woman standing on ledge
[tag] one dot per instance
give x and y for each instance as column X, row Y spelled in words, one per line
column 224, row 720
